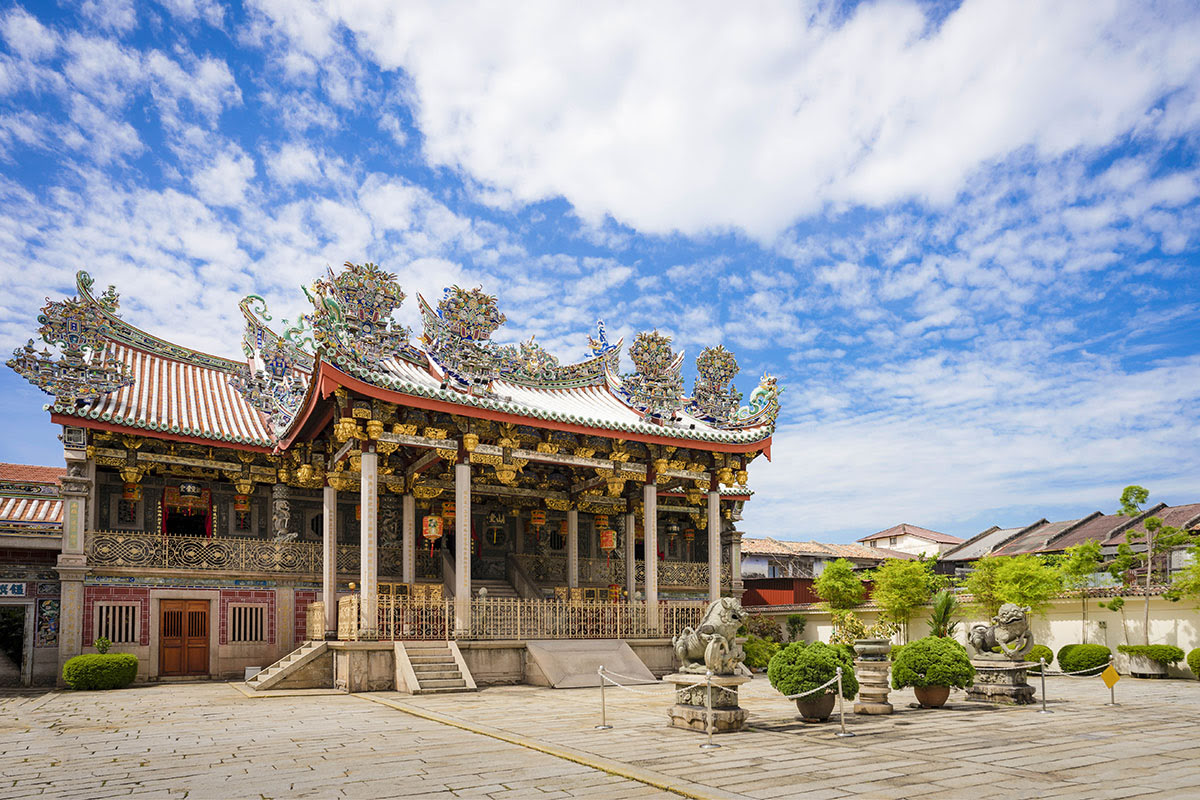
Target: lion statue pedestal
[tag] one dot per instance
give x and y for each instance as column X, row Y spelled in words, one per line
column 1001, row 677
column 709, row 647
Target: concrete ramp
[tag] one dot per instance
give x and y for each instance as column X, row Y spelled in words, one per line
column 571, row 663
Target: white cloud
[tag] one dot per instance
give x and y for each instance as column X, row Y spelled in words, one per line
column 191, row 10
column 687, row 117
column 115, row 15
column 26, row 36
column 225, row 180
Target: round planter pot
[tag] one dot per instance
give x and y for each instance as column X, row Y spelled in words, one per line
column 932, row 696
column 1142, row 667
column 872, row 649
column 816, row 707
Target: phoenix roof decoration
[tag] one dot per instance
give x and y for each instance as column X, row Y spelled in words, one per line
column 114, row 374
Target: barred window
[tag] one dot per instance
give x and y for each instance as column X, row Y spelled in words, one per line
column 120, row 623
column 247, row 623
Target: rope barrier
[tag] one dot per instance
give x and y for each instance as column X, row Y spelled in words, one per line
column 825, row 685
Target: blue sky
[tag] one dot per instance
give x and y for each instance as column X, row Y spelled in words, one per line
column 965, row 237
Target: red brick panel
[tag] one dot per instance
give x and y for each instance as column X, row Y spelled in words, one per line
column 115, row 594
column 265, row 597
column 303, row 598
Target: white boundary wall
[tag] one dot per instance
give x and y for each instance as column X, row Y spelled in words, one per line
column 1170, row 623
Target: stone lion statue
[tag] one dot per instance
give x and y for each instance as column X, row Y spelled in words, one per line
column 710, row 645
column 1009, row 631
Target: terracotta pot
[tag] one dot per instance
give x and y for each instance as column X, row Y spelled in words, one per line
column 932, row 696
column 816, row 707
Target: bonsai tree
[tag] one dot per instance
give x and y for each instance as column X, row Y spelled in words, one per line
column 1160, row 539
column 932, row 661
column 801, row 668
column 900, row 588
column 839, row 585
column 941, row 618
column 1078, row 568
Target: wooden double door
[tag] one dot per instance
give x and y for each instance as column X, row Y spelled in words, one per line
column 183, row 637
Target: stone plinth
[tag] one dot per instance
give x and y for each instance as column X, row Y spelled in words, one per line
column 689, row 712
column 872, row 687
column 1001, row 682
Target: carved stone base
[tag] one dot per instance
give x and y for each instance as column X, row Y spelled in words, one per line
column 689, row 711
column 872, row 687
column 1001, row 683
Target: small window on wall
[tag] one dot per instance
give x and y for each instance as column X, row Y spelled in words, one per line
column 247, row 623
column 119, row 622
column 891, row 541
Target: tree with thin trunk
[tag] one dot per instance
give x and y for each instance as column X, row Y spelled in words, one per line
column 1078, row 567
column 839, row 585
column 1160, row 540
column 900, row 587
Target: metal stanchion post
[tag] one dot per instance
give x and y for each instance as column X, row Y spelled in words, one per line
column 1112, row 691
column 709, row 745
column 1044, row 709
column 603, row 726
column 841, row 707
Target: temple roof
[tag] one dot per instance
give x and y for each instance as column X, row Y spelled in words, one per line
column 30, row 498
column 113, row 375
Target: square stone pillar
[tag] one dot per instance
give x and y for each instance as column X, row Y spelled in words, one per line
column 408, row 512
column 630, row 556
column 714, row 545
column 573, row 548
column 368, row 544
column 462, row 548
column 650, row 514
column 77, row 490
column 329, row 571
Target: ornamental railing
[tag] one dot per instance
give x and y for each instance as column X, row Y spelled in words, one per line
column 550, row 570
column 404, row 618
column 314, row 621
column 229, row 554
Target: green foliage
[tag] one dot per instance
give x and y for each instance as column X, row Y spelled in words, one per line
column 839, row 585
column 1079, row 563
column 1090, row 659
column 1193, row 662
column 901, row 587
column 763, row 627
column 795, row 626
column 1162, row 653
column 896, row 649
column 759, row 651
column 1026, row 580
column 102, row 644
column 1116, row 604
column 1039, row 651
column 941, row 618
column 101, row 671
column 801, row 668
column 932, row 661
column 847, row 628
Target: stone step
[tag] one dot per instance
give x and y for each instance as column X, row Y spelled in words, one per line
column 438, row 675
column 449, row 663
column 445, row 690
column 444, row 683
column 431, row 658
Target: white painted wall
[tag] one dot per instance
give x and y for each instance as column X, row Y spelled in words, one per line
column 754, row 566
column 1170, row 623
column 908, row 543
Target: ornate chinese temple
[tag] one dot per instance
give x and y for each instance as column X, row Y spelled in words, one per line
column 348, row 479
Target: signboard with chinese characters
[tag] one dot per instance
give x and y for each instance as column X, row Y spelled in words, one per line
column 12, row 589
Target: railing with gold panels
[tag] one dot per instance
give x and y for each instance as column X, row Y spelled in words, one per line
column 314, row 621
column 549, row 570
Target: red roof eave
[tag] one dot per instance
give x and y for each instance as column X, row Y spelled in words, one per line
column 94, row 424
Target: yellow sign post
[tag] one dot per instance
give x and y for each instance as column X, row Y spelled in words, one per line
column 1110, row 676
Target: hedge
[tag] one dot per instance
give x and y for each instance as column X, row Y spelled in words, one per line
column 933, row 661
column 1193, row 662
column 1162, row 653
column 759, row 652
column 1039, row 651
column 1087, row 658
column 100, row 671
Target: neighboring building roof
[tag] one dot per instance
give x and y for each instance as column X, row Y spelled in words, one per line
column 811, row 549
column 1186, row 517
column 30, row 498
column 1038, row 535
column 768, row 547
column 914, row 530
column 1097, row 529
column 981, row 544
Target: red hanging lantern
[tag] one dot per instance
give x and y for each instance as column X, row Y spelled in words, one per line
column 537, row 517
column 448, row 509
column 600, row 521
column 564, row 528
column 131, row 492
column 608, row 540
column 358, row 511
column 431, row 529
column 689, row 535
column 241, row 502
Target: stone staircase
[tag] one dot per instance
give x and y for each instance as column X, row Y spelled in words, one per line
column 435, row 668
column 495, row 589
column 300, row 657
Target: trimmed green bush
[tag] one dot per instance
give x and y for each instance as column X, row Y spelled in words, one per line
column 933, row 661
column 801, row 668
column 1090, row 659
column 1162, row 653
column 896, row 650
column 759, row 652
column 1193, row 662
column 101, row 671
column 1039, row 651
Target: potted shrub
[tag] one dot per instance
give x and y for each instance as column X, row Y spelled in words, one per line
column 1150, row 660
column 1193, row 662
column 1088, row 659
column 801, row 668
column 931, row 666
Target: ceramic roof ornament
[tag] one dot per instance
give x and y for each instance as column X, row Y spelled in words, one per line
column 352, row 314
column 656, row 386
column 712, row 397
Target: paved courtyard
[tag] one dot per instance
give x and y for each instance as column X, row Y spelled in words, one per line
column 210, row 740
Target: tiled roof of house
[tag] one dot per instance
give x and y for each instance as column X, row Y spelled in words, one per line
column 1036, row 537
column 30, row 499
column 30, row 473
column 981, row 544
column 914, row 530
column 1185, row 516
column 769, row 546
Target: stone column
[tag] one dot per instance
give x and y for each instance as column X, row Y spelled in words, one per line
column 329, row 572
column 408, row 511
column 573, row 548
column 714, row 543
column 650, row 513
column 735, row 564
column 630, row 555
column 462, row 547
column 368, row 543
column 77, row 492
